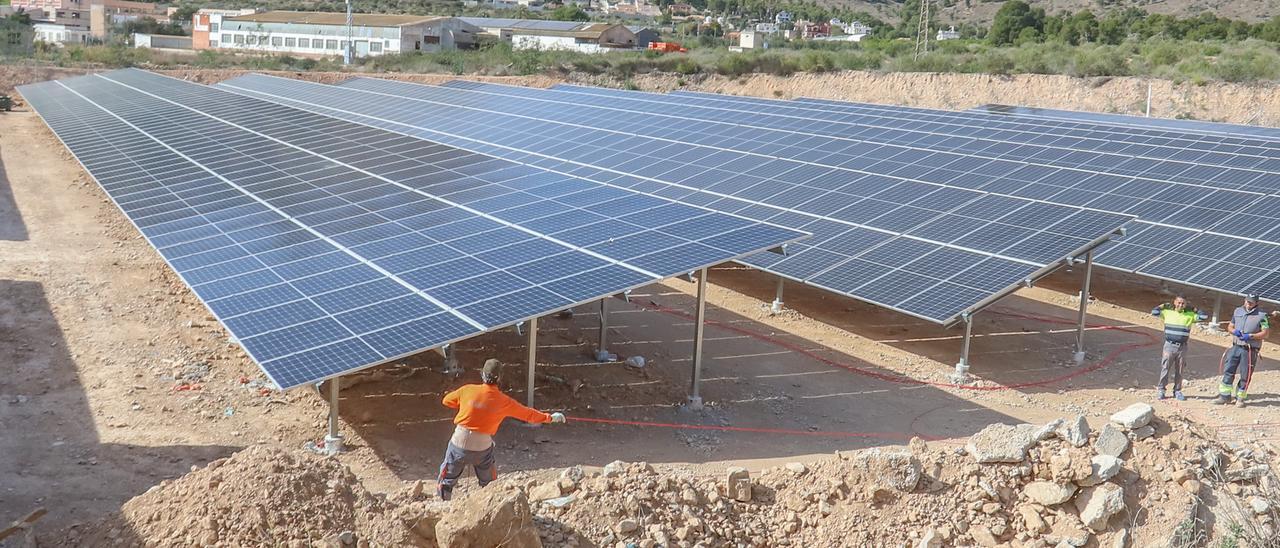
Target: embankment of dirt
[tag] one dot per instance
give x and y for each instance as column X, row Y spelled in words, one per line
column 1257, row 104
column 1140, row 480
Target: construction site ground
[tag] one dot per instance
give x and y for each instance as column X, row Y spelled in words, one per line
column 115, row 377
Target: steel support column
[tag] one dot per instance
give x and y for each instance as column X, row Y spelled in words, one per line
column 695, row 395
column 333, row 440
column 602, row 350
column 961, row 374
column 450, row 361
column 1214, row 323
column 776, row 308
column 533, row 357
column 1084, row 307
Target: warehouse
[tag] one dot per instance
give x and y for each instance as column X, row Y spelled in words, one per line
column 502, row 28
column 310, row 33
column 585, row 38
column 557, row 35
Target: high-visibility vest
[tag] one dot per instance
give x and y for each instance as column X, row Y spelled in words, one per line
column 1177, row 324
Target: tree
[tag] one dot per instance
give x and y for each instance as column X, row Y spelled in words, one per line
column 184, row 13
column 569, row 13
column 1011, row 19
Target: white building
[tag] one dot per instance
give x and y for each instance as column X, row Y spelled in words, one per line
column 161, row 41
column 503, row 27
column 311, row 33
column 751, row 39
column 60, row 33
column 949, row 34
column 585, row 38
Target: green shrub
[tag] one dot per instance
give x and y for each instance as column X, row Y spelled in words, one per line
column 687, row 66
column 735, row 64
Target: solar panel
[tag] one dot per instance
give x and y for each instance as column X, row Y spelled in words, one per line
column 1142, row 122
column 699, row 168
column 1162, row 139
column 325, row 246
column 1160, row 189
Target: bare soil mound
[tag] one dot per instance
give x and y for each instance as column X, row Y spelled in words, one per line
column 258, row 497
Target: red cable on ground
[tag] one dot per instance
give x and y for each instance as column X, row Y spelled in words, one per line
column 1105, row 361
column 882, row 435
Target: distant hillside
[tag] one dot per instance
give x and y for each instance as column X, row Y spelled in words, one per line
column 980, row 12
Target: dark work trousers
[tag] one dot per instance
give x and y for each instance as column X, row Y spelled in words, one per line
column 1243, row 359
column 455, row 463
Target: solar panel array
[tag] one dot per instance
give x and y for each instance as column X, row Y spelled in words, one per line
column 1203, row 201
column 929, row 249
column 1175, row 127
column 325, row 246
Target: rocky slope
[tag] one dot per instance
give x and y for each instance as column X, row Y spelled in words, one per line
column 1137, row 481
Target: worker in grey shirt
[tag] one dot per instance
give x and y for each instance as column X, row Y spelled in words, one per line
column 1249, row 325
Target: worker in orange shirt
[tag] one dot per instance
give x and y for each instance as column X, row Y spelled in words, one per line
column 481, row 409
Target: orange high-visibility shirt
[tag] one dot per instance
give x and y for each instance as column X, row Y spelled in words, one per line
column 481, row 408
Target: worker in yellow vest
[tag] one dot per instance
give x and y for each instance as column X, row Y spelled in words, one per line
column 1178, row 319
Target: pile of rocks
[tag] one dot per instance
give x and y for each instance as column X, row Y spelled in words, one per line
column 1137, row 481
column 1055, row 485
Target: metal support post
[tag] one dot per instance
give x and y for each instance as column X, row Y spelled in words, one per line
column 1214, row 323
column 602, row 350
column 695, row 397
column 533, row 357
column 776, row 308
column 346, row 52
column 450, row 361
column 333, row 440
column 961, row 374
column 1084, row 307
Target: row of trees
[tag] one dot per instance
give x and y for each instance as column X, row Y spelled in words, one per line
column 1018, row 23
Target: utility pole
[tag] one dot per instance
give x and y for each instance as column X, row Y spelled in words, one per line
column 346, row 52
column 922, row 30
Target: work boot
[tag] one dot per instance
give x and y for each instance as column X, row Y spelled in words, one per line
column 1177, row 395
column 1160, row 394
column 1240, row 404
column 1222, row 400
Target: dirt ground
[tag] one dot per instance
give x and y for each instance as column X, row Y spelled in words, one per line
column 115, row 378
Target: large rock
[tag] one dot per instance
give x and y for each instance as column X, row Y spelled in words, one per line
column 1002, row 443
column 738, row 484
column 546, row 491
column 1074, row 431
column 497, row 515
column 614, row 469
column 1048, row 493
column 1135, row 416
column 1066, row 530
column 1097, row 504
column 895, row 469
column 983, row 536
column 1102, row 468
column 420, row 519
column 1032, row 519
column 1047, row 431
column 930, row 539
column 1111, row 441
